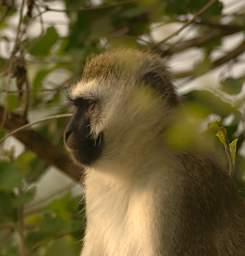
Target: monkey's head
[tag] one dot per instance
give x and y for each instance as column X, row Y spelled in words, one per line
column 121, row 105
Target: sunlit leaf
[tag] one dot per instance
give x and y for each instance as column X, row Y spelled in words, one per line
column 215, row 126
column 38, row 79
column 221, row 135
column 185, row 133
column 210, row 102
column 2, row 133
column 7, row 207
column 2, row 63
column 192, row 6
column 63, row 247
column 202, row 66
column 232, row 85
column 233, row 150
column 41, row 46
column 25, row 198
column 64, row 206
column 9, row 176
column 12, row 102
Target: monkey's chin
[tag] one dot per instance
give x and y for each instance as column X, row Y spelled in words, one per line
column 80, row 159
column 87, row 153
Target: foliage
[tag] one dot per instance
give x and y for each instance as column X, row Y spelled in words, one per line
column 38, row 58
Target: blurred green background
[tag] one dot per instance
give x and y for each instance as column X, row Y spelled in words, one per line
column 43, row 47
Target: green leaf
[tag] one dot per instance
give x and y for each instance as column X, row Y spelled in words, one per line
column 38, row 79
column 214, row 126
column 10, row 177
column 64, row 206
column 9, row 249
column 233, row 150
column 24, row 162
column 2, row 133
column 210, row 102
column 42, row 46
column 74, row 3
column 7, row 208
column 174, row 7
column 25, row 198
column 3, row 62
column 182, row 137
column 214, row 10
column 50, row 226
column 221, row 134
column 12, row 102
column 232, row 85
column 63, row 247
column 232, row 127
column 202, row 67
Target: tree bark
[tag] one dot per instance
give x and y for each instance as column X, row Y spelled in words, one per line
column 38, row 144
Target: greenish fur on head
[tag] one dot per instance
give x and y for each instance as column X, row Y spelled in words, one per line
column 132, row 65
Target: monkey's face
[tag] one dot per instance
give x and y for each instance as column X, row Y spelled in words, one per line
column 85, row 146
column 118, row 111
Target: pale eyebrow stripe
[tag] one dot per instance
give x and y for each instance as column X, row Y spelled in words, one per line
column 68, row 91
column 80, row 88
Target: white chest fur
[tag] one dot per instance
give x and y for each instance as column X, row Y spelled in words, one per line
column 120, row 219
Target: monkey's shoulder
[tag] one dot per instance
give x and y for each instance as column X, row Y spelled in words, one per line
column 209, row 191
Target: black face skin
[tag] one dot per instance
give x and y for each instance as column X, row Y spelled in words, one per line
column 78, row 138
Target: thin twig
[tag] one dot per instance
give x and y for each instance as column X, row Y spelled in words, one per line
column 89, row 8
column 40, row 17
column 198, row 14
column 42, row 203
column 231, row 55
column 17, row 66
column 229, row 158
column 40, row 13
column 27, row 97
column 234, row 14
column 43, row 242
column 215, row 25
column 21, row 228
column 42, row 147
column 8, row 226
column 5, row 116
column 46, row 8
column 13, row 53
column 170, row 49
column 18, row 31
column 24, row 91
column 5, row 14
column 26, row 126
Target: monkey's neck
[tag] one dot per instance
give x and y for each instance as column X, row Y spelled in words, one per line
column 127, row 213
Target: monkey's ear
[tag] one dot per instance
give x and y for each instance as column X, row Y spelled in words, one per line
column 162, row 85
column 153, row 79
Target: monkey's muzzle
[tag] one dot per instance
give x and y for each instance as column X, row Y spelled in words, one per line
column 83, row 145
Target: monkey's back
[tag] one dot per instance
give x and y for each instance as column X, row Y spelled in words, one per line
column 213, row 212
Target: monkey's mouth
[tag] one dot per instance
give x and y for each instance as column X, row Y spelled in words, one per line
column 85, row 150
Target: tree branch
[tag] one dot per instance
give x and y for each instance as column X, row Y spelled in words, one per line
column 214, row 25
column 41, row 146
column 170, row 49
column 28, row 125
column 189, row 22
column 87, row 8
column 231, row 55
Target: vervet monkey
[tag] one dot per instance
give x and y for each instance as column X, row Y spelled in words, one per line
column 142, row 197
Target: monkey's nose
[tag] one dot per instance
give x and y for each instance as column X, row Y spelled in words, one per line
column 68, row 138
column 67, row 134
column 72, row 139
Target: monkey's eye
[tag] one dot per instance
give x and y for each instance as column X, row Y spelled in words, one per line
column 83, row 103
